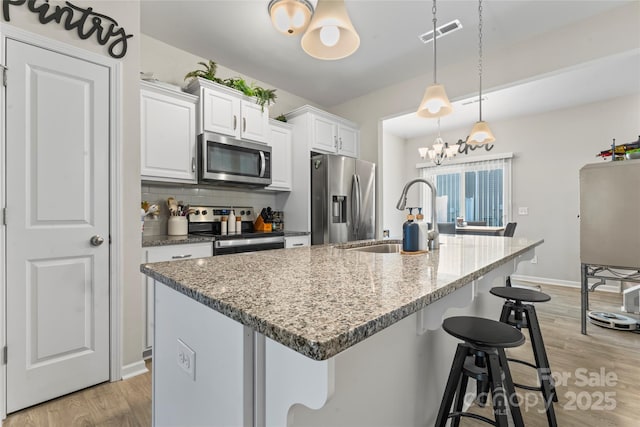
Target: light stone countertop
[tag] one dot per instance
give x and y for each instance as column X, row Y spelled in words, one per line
column 164, row 240
column 321, row 300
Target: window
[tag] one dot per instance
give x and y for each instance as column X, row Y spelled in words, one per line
column 478, row 191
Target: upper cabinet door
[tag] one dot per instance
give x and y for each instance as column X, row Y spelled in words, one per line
column 348, row 144
column 281, row 164
column 168, row 135
column 255, row 122
column 221, row 113
column 323, row 135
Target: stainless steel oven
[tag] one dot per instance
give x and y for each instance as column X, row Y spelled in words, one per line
column 234, row 162
column 208, row 221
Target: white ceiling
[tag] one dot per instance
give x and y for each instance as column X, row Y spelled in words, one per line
column 238, row 34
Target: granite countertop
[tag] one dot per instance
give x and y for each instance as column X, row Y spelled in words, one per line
column 163, row 240
column 320, row 300
column 290, row 233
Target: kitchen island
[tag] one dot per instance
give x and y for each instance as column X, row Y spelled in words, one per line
column 325, row 335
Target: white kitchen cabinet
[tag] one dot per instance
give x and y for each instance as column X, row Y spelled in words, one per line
column 327, row 133
column 227, row 111
column 167, row 134
column 280, row 140
column 160, row 254
column 296, row 241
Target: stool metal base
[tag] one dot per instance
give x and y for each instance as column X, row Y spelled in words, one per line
column 502, row 390
column 524, row 316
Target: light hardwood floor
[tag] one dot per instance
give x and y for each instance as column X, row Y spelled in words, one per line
column 128, row 403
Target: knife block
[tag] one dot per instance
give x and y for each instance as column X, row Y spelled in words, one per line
column 260, row 225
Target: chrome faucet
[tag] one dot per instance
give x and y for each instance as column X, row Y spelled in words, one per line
column 434, row 239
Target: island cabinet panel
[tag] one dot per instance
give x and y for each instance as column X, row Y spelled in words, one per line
column 205, row 361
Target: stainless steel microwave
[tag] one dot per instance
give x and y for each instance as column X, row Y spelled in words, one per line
column 226, row 160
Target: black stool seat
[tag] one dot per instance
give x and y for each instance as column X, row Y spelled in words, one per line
column 483, row 332
column 520, row 294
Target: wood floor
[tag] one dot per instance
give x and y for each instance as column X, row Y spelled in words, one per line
column 119, row 404
column 607, row 402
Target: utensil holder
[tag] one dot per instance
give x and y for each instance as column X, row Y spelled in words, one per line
column 177, row 226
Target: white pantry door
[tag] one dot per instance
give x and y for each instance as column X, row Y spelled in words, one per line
column 57, row 176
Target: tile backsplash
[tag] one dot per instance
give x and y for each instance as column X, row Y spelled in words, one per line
column 202, row 196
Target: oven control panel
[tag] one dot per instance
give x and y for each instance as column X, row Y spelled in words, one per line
column 215, row 213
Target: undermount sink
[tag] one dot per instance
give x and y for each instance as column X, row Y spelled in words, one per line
column 383, row 248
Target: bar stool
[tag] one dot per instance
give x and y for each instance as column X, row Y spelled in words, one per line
column 486, row 339
column 520, row 315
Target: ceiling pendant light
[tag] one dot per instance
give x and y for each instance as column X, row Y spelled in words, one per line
column 435, row 102
column 440, row 150
column 290, row 17
column 330, row 34
column 480, row 133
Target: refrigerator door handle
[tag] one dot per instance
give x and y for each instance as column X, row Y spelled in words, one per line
column 354, row 205
column 358, row 206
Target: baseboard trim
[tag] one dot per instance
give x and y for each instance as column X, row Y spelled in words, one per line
column 134, row 369
column 558, row 282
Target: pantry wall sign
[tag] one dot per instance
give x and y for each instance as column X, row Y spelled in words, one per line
column 84, row 21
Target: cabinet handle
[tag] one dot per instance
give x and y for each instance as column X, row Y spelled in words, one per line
column 341, row 143
column 193, row 164
column 244, row 124
column 181, row 256
column 298, row 244
column 235, row 122
column 335, row 142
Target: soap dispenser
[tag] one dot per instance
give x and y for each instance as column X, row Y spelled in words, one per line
column 410, row 234
column 423, row 232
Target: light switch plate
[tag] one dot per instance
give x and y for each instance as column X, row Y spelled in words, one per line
column 523, row 211
column 186, row 358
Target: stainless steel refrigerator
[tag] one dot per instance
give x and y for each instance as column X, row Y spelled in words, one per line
column 342, row 199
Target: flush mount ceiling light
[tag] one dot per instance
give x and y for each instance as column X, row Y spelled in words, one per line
column 330, row 34
column 480, row 133
column 435, row 102
column 290, row 17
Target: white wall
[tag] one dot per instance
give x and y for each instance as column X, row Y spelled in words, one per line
column 550, row 149
column 393, row 160
column 127, row 14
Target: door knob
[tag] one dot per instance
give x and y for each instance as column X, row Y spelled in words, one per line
column 96, row 240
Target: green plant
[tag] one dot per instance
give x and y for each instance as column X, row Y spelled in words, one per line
column 239, row 84
column 208, row 73
column 281, row 118
column 263, row 96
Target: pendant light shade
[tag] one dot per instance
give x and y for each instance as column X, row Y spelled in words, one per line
column 481, row 134
column 290, row 17
column 330, row 34
column 435, row 103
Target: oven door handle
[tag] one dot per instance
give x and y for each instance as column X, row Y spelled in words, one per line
column 233, row 243
column 263, row 164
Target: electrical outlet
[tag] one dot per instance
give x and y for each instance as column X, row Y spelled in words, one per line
column 534, row 260
column 186, row 358
column 523, row 211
